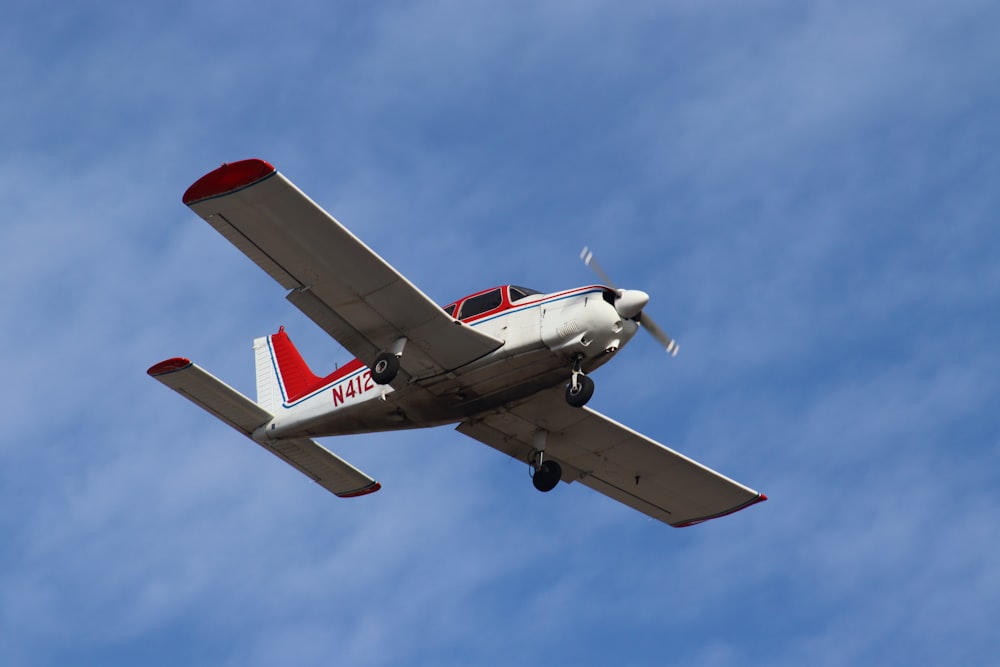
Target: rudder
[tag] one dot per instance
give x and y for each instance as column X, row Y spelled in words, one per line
column 268, row 391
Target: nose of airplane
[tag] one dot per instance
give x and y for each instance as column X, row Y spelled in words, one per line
column 630, row 302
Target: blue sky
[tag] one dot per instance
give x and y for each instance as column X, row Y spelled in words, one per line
column 807, row 189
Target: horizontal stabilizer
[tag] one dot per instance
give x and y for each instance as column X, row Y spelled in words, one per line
column 304, row 454
column 211, row 394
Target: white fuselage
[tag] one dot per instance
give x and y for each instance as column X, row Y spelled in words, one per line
column 542, row 334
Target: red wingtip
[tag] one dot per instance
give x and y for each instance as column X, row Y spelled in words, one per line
column 694, row 522
column 371, row 488
column 228, row 178
column 169, row 366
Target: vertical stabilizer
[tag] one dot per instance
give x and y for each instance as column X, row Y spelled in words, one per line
column 283, row 377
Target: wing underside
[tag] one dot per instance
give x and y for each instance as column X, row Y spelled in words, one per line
column 334, row 278
column 613, row 459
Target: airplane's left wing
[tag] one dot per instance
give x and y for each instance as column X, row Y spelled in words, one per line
column 334, row 278
column 613, row 459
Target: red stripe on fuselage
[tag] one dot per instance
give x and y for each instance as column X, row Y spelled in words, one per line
column 532, row 301
column 298, row 381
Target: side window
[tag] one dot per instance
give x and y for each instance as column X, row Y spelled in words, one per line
column 518, row 293
column 450, row 309
column 480, row 304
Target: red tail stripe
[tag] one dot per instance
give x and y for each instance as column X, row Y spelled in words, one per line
column 297, row 380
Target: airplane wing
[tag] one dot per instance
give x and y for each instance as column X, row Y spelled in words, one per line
column 613, row 459
column 334, row 278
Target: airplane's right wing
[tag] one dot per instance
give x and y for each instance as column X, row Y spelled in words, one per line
column 334, row 278
column 613, row 459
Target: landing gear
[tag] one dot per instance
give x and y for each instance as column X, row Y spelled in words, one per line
column 547, row 476
column 545, row 473
column 385, row 368
column 578, row 394
column 387, row 363
column 581, row 387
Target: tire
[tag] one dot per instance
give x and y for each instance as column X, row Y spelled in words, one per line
column 579, row 396
column 547, row 476
column 385, row 368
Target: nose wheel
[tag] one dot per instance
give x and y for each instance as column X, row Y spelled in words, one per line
column 581, row 387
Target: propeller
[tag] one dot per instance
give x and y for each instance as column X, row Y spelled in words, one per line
column 629, row 304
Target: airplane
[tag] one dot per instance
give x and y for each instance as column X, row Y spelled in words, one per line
column 509, row 365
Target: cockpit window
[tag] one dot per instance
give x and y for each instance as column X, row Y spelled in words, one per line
column 450, row 309
column 518, row 293
column 477, row 305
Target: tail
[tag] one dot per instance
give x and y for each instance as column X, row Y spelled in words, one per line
column 283, row 377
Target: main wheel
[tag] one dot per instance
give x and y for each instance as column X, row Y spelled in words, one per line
column 385, row 368
column 579, row 395
column 547, row 476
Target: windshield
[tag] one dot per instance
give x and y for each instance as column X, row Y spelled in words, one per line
column 517, row 293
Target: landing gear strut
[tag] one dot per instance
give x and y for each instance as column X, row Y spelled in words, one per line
column 581, row 387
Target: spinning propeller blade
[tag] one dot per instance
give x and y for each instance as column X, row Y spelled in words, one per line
column 642, row 318
column 659, row 334
column 588, row 259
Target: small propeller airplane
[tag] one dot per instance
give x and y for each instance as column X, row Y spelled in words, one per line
column 510, row 365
